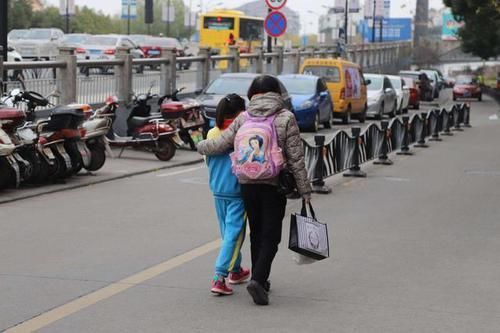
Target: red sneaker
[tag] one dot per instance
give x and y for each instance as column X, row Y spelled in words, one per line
column 239, row 277
column 219, row 287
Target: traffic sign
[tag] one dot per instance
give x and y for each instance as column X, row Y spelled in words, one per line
column 275, row 4
column 275, row 24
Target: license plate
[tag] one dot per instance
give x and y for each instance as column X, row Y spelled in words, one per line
column 153, row 52
column 48, row 152
column 95, row 51
column 467, row 94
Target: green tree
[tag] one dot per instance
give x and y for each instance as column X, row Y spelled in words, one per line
column 20, row 14
column 481, row 32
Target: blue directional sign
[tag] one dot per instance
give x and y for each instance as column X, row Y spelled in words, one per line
column 275, row 24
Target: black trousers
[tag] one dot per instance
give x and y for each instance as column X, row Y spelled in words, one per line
column 265, row 209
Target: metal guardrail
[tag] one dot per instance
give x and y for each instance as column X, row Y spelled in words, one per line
column 345, row 152
column 76, row 81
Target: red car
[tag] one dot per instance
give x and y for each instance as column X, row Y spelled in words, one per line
column 414, row 92
column 467, row 87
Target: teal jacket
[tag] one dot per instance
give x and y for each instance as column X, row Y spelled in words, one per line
column 223, row 183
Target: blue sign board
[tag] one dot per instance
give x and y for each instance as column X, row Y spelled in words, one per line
column 394, row 29
column 129, row 9
column 275, row 24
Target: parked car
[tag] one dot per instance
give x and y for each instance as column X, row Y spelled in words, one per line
column 467, row 86
column 104, row 47
column 382, row 97
column 13, row 55
column 237, row 83
column 423, row 82
column 414, row 90
column 15, row 34
column 345, row 81
column 75, row 40
column 402, row 93
column 151, row 46
column 311, row 100
column 38, row 43
column 435, row 81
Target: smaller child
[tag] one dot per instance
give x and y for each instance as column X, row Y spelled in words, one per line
column 228, row 203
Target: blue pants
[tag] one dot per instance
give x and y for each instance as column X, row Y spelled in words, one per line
column 232, row 223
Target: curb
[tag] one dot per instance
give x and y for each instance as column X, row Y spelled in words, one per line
column 101, row 181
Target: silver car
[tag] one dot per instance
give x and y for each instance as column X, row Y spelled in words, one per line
column 104, row 47
column 38, row 43
column 381, row 95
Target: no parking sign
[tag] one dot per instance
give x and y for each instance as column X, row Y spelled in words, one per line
column 275, row 24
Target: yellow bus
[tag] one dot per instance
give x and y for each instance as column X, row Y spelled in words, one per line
column 221, row 28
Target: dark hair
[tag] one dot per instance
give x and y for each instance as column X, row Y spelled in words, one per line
column 228, row 108
column 264, row 84
column 258, row 139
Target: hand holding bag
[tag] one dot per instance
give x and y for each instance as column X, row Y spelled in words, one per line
column 308, row 237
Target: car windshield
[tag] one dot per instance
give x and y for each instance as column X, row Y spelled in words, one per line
column 376, row 82
column 228, row 85
column 396, row 83
column 468, row 80
column 299, row 86
column 164, row 42
column 17, row 34
column 414, row 76
column 329, row 73
column 37, row 34
column 75, row 39
column 99, row 40
column 139, row 39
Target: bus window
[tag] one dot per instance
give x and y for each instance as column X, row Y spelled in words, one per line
column 218, row 23
column 251, row 29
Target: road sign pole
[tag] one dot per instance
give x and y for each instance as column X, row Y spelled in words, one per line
column 168, row 18
column 269, row 40
column 346, row 21
column 128, row 17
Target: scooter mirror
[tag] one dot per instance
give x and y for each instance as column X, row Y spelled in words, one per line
column 15, row 92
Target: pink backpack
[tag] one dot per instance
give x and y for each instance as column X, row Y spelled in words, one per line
column 257, row 155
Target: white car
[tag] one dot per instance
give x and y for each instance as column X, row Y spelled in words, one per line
column 402, row 93
column 38, row 43
column 13, row 55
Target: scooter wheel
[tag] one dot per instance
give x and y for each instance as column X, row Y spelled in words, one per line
column 76, row 159
column 97, row 158
column 32, row 157
column 166, row 150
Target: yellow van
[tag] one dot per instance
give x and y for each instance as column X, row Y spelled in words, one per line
column 346, row 84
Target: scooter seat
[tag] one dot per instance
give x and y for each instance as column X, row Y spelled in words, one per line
column 135, row 122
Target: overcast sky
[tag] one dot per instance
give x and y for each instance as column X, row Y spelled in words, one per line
column 399, row 8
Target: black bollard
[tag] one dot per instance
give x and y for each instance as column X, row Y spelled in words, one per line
column 456, row 119
column 466, row 108
column 405, row 145
column 446, row 124
column 383, row 159
column 423, row 133
column 435, row 125
column 319, row 184
column 355, row 170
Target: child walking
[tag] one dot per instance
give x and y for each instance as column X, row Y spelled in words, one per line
column 228, row 203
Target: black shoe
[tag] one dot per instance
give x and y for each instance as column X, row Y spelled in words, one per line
column 267, row 286
column 258, row 293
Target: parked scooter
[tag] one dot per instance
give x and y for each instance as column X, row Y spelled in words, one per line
column 146, row 132
column 94, row 133
column 10, row 173
column 190, row 121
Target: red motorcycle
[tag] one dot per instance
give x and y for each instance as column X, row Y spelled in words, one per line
column 146, row 132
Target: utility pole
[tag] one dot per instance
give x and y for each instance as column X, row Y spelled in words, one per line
column 3, row 35
column 190, row 16
column 380, row 39
column 346, row 21
column 128, row 17
column 373, row 26
column 168, row 18
column 421, row 19
column 67, row 16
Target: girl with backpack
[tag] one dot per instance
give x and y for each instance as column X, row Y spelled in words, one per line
column 281, row 145
column 228, row 203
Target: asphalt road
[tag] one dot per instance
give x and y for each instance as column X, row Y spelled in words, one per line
column 414, row 248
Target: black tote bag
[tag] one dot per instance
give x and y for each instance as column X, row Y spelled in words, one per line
column 308, row 236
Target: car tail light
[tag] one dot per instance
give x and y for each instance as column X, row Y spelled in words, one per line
column 342, row 93
column 110, row 51
column 80, row 50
